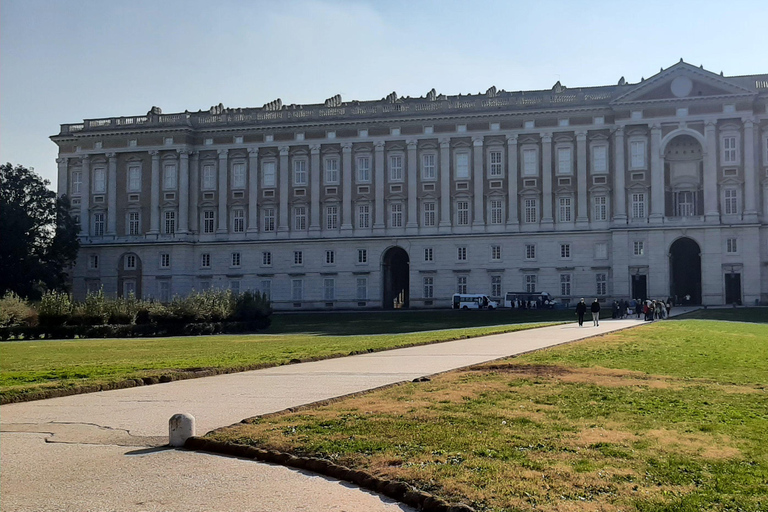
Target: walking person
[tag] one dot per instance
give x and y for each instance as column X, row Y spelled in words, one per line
column 595, row 308
column 581, row 308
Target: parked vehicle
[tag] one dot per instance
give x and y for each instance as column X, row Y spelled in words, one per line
column 529, row 300
column 473, row 301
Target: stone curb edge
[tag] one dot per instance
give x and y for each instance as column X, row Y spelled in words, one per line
column 398, row 491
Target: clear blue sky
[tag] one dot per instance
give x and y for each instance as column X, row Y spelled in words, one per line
column 65, row 60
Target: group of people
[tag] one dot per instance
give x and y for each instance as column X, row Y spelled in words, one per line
column 651, row 309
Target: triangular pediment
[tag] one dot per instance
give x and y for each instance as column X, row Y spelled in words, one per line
column 682, row 82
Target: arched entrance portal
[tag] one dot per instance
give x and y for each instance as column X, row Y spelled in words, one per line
column 395, row 270
column 685, row 271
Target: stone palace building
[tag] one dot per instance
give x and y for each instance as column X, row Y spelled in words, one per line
column 652, row 189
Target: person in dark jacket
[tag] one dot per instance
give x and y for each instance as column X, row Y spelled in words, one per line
column 595, row 313
column 581, row 308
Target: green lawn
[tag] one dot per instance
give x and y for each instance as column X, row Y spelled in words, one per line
column 756, row 315
column 29, row 368
column 670, row 416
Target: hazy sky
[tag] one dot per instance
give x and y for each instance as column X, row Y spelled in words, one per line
column 62, row 61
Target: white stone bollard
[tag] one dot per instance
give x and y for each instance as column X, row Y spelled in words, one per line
column 180, row 428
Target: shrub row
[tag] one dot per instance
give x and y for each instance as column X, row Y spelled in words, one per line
column 58, row 316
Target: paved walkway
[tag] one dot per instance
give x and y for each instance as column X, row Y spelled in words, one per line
column 103, row 451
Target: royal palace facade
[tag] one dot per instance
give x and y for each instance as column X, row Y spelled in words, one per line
column 652, row 189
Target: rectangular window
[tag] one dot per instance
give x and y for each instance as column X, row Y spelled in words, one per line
column 299, row 218
column 428, row 285
column 396, row 168
column 461, row 253
column 265, row 287
column 133, row 223
column 638, row 248
column 462, row 166
column 462, row 213
column 238, row 175
column 362, row 255
column 332, row 217
column 731, row 246
column 496, row 252
column 364, row 216
column 565, row 251
column 600, row 207
column 165, row 260
column 496, row 167
column 299, row 172
column 730, row 154
column 496, row 211
column 600, row 159
column 268, row 174
column 209, row 177
column 530, row 251
column 430, row 210
column 638, row 205
column 637, row 154
column 235, row 259
column 134, row 178
column 269, row 219
column 170, row 222
column 330, row 257
column 234, row 286
column 564, row 161
column 363, row 169
column 531, row 208
column 329, row 288
column 266, row 258
column 169, row 177
column 130, row 262
column 495, row 286
column 205, row 260
column 209, row 221
column 396, row 215
column 601, row 251
column 428, row 168
column 731, row 202
column 98, row 224
column 331, row 171
column 297, row 290
column 298, row 257
column 362, row 288
column 461, row 284
column 165, row 290
column 429, row 254
column 530, row 283
column 77, row 182
column 565, row 285
column 93, row 261
column 99, row 180
column 565, row 213
column 238, row 220
column 601, row 282
column 530, row 162
column 685, row 203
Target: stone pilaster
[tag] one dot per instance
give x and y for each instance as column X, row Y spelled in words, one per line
column 547, row 221
column 223, row 192
column 284, row 174
column 512, row 172
column 85, row 197
column 346, row 190
column 478, row 178
column 412, row 222
column 183, row 192
column 751, row 186
column 582, row 204
column 711, row 212
column 378, row 223
column 253, row 190
column 657, row 177
column 619, row 173
column 314, row 188
column 445, row 185
column 62, row 182
column 111, row 194
column 194, row 191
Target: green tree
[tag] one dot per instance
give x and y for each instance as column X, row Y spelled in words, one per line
column 38, row 236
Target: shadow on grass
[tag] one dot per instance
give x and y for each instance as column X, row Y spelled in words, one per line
column 396, row 322
column 758, row 315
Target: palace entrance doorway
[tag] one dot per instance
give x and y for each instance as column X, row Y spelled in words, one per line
column 685, row 271
column 395, row 271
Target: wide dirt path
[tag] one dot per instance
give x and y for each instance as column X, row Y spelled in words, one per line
column 104, row 451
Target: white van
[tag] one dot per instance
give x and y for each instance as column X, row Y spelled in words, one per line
column 473, row 301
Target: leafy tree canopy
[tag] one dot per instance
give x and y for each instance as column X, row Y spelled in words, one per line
column 38, row 236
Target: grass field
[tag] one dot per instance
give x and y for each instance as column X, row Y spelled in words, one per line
column 665, row 417
column 756, row 315
column 28, row 368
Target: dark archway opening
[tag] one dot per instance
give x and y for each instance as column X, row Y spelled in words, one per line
column 685, row 271
column 396, row 274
